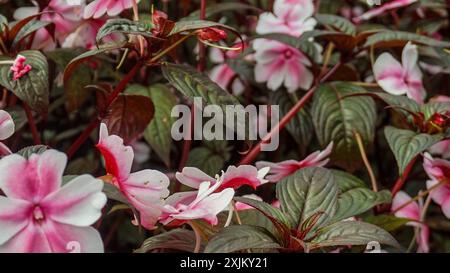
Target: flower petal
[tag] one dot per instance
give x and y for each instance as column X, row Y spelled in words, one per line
column 31, row 239
column 193, row 177
column 6, row 125
column 78, row 203
column 34, row 178
column 14, row 216
column 389, row 74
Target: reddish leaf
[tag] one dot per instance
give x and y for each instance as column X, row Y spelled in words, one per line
column 129, row 115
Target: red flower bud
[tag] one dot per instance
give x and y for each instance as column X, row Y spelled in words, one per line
column 211, row 34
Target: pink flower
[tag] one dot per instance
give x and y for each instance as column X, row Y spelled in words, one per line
column 441, row 148
column 233, row 177
column 38, row 215
column 279, row 64
column 144, row 189
column 98, row 8
column 395, row 4
column 6, row 130
column 412, row 211
column 437, row 169
column 293, row 17
column 63, row 15
column 400, row 79
column 439, row 172
column 239, row 206
column 19, row 68
column 85, row 34
column 282, row 169
column 222, row 74
column 204, row 204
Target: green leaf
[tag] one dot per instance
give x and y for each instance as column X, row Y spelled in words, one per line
column 435, row 107
column 89, row 54
column 177, row 239
column 206, row 159
column 28, row 29
column 352, row 233
column 359, row 200
column 265, row 208
column 398, row 102
column 28, row 151
column 192, row 25
column 158, row 132
column 194, row 84
column 390, row 38
column 307, row 192
column 212, row 10
column 129, row 115
column 113, row 193
column 407, row 144
column 387, row 222
column 236, row 238
column 337, row 115
column 346, row 181
column 337, row 22
column 300, row 126
column 124, row 26
column 32, row 87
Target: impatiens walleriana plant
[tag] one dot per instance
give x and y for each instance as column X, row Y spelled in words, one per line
column 359, row 93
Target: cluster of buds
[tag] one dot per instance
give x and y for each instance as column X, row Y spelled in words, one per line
column 437, row 123
column 19, row 68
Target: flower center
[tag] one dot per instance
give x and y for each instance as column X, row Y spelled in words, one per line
column 38, row 214
column 288, row 54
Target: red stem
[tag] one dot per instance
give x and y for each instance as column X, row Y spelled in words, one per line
column 285, row 120
column 200, row 67
column 402, row 179
column 94, row 124
column 32, row 123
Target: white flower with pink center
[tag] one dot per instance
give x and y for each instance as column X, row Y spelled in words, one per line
column 404, row 207
column 279, row 65
column 38, row 214
column 401, row 78
column 293, row 17
column 98, row 8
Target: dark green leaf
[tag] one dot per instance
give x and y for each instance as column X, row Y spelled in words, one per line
column 336, row 118
column 387, row 222
column 236, row 238
column 124, row 26
column 307, row 192
column 177, row 239
column 390, row 38
column 352, row 233
column 337, row 22
column 407, row 144
column 36, row 149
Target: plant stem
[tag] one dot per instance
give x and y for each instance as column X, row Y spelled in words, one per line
column 402, row 179
column 187, row 144
column 287, row 118
column 373, row 180
column 94, row 123
column 198, row 237
column 420, row 195
column 32, row 123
